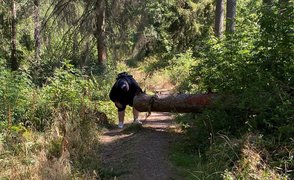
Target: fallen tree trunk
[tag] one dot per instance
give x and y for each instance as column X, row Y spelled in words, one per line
column 181, row 103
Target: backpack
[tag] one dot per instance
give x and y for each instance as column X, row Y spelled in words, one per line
column 123, row 75
column 129, row 79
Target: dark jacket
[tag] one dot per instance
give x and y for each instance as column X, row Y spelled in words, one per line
column 125, row 98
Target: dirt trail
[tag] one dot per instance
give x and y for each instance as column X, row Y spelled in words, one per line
column 141, row 154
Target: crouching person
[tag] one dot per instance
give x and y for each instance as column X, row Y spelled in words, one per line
column 122, row 94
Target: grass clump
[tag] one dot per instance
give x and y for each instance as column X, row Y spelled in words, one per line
column 194, row 163
column 254, row 163
column 229, row 159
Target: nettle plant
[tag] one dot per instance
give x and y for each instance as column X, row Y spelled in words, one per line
column 15, row 86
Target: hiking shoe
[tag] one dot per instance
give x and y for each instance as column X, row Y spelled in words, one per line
column 137, row 121
column 120, row 125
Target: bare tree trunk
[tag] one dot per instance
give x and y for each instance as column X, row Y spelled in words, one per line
column 231, row 16
column 14, row 60
column 219, row 18
column 75, row 50
column 139, row 48
column 37, row 30
column 85, row 55
column 100, row 32
column 181, row 103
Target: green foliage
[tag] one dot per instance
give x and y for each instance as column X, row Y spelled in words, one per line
column 13, row 139
column 108, row 108
column 254, row 66
column 176, row 26
column 256, row 71
column 180, row 68
column 64, row 109
column 155, row 63
column 65, row 88
column 54, row 148
column 68, row 88
column 13, row 93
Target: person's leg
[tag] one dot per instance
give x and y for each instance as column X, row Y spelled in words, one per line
column 121, row 116
column 136, row 116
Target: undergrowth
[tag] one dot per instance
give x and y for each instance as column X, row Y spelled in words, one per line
column 251, row 136
column 50, row 132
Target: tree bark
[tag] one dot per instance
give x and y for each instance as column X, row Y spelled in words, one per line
column 181, row 103
column 231, row 16
column 100, row 31
column 75, row 50
column 219, row 18
column 85, row 55
column 139, row 49
column 14, row 60
column 37, row 30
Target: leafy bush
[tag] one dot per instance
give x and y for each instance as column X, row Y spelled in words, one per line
column 255, row 67
column 180, row 69
column 65, row 111
column 255, row 71
column 13, row 94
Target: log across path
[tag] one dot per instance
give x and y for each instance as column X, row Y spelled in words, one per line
column 141, row 154
column 181, row 103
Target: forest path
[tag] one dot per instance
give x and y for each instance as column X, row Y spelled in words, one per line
column 140, row 153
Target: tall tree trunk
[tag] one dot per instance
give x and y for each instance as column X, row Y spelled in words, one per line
column 100, row 31
column 14, row 60
column 37, row 29
column 231, row 16
column 139, row 49
column 219, row 18
column 85, row 55
column 75, row 50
